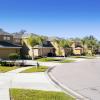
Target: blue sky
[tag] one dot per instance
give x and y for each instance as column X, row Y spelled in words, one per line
column 64, row 18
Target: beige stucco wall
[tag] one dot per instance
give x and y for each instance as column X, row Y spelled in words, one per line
column 43, row 51
column 17, row 40
column 4, row 52
column 77, row 51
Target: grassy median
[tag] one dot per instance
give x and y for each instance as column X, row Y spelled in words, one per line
column 48, row 59
column 67, row 61
column 6, row 68
column 35, row 69
column 26, row 94
column 55, row 60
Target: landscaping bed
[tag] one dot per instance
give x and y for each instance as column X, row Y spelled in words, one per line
column 26, row 94
column 35, row 69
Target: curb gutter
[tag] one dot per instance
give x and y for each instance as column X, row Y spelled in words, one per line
column 66, row 90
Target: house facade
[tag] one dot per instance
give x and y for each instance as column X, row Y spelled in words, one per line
column 46, row 49
column 7, row 46
column 77, row 48
column 17, row 43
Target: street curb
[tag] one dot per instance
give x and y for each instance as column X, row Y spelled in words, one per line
column 66, row 90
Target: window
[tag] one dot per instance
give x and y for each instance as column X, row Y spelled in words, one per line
column 6, row 38
column 17, row 40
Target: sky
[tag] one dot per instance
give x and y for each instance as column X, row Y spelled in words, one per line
column 63, row 18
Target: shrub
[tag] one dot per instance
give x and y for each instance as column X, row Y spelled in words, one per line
column 3, row 63
column 13, row 56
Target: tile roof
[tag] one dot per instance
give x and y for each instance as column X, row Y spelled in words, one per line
column 4, row 44
column 45, row 44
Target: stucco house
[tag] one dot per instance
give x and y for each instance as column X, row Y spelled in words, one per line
column 77, row 48
column 46, row 49
column 63, row 51
column 7, row 46
column 17, row 43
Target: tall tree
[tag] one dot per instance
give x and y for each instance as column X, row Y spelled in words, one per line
column 64, row 44
column 91, row 42
column 57, row 42
column 32, row 41
column 35, row 40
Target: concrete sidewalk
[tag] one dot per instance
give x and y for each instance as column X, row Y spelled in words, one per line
column 14, row 79
column 4, row 94
column 38, row 81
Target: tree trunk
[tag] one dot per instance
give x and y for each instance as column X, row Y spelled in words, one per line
column 64, row 53
column 33, row 54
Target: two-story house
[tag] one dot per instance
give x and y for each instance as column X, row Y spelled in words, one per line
column 7, row 46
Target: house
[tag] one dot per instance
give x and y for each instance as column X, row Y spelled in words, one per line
column 77, row 48
column 17, row 38
column 17, row 43
column 59, row 51
column 7, row 46
column 46, row 49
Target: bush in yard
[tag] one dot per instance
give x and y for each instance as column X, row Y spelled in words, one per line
column 13, row 56
column 3, row 63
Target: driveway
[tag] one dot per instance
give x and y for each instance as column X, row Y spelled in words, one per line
column 82, row 77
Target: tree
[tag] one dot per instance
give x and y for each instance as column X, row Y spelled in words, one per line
column 57, row 41
column 14, row 57
column 90, row 42
column 64, row 44
column 35, row 40
column 32, row 41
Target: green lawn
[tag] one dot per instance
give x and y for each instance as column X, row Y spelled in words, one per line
column 26, row 94
column 48, row 59
column 6, row 68
column 67, row 61
column 85, row 57
column 35, row 69
column 55, row 59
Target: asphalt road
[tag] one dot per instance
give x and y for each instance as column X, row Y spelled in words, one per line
column 82, row 77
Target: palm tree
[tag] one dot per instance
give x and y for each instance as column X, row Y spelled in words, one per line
column 41, row 40
column 32, row 41
column 57, row 41
column 90, row 42
column 64, row 44
column 35, row 40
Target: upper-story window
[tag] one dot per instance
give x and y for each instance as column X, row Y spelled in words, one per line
column 6, row 38
column 17, row 40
